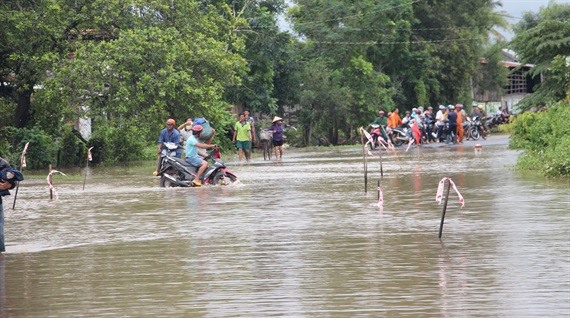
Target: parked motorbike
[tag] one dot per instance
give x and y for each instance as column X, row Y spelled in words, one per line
column 175, row 172
column 448, row 134
column 401, row 135
column 475, row 129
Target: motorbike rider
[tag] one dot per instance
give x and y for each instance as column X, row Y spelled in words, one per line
column 394, row 120
column 483, row 118
column 381, row 121
column 440, row 122
column 429, row 120
column 169, row 134
column 452, row 118
column 193, row 157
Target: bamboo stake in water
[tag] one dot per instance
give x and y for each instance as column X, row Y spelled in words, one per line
column 86, row 169
column 444, row 208
column 364, row 160
column 15, row 196
column 50, row 182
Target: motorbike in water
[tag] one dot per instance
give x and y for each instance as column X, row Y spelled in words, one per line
column 448, row 133
column 401, row 135
column 176, row 172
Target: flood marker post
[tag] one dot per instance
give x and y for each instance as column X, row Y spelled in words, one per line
column 50, row 183
column 49, row 180
column 22, row 166
column 444, row 207
column 439, row 197
column 89, row 158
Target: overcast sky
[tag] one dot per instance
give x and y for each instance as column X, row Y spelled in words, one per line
column 516, row 8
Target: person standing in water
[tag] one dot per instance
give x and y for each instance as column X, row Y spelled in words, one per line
column 277, row 138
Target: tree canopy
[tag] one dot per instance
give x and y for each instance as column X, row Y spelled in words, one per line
column 127, row 65
column 543, row 39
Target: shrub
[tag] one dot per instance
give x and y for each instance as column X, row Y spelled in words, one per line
column 545, row 137
column 72, row 151
column 116, row 144
column 41, row 151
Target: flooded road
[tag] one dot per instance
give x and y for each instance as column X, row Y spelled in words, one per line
column 296, row 238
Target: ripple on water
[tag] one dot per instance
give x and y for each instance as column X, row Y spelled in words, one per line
column 296, row 238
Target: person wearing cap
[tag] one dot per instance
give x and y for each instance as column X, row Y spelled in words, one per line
column 460, row 119
column 429, row 120
column 251, row 122
column 242, row 138
column 381, row 121
column 185, row 130
column 277, row 136
column 169, row 134
column 440, row 122
column 193, row 157
column 9, row 178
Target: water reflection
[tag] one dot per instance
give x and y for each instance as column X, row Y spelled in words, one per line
column 296, row 238
column 3, row 306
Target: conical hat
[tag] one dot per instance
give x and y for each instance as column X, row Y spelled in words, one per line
column 276, row 118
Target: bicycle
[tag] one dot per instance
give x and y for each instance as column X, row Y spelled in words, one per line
column 266, row 144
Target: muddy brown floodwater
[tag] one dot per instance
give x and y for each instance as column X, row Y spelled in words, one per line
column 296, row 238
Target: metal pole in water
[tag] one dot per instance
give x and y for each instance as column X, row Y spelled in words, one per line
column 15, row 196
column 365, row 170
column 444, row 207
column 50, row 182
column 378, row 190
column 86, row 167
column 381, row 169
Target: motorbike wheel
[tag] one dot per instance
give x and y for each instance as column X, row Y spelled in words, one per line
column 474, row 132
column 223, row 178
column 396, row 141
column 449, row 137
column 166, row 183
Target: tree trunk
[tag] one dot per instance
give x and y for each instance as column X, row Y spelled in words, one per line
column 23, row 109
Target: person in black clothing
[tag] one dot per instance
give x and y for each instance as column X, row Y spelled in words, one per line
column 9, row 178
column 452, row 119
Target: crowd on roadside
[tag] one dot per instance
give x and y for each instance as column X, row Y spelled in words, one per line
column 427, row 126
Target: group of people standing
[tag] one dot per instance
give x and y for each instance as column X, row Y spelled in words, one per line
column 428, row 126
column 244, row 135
column 195, row 134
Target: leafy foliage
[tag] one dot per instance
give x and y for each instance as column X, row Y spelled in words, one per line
column 42, row 150
column 545, row 137
column 543, row 39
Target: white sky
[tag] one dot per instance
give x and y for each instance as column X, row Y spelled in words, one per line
column 516, row 8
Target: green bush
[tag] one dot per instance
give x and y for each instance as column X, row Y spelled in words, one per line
column 116, row 144
column 42, row 150
column 545, row 138
column 72, row 150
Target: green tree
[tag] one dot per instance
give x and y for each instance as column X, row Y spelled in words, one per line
column 32, row 36
column 543, row 40
column 491, row 75
column 454, row 34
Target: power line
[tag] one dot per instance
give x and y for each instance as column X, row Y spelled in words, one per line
column 355, row 15
column 394, row 42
